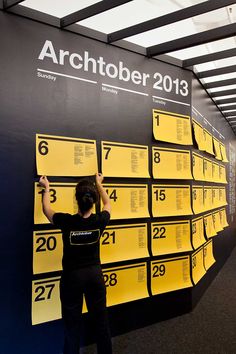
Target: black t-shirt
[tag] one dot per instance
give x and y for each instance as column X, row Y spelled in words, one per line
column 81, row 238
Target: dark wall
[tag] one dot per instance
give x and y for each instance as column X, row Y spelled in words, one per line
column 30, row 104
column 206, row 113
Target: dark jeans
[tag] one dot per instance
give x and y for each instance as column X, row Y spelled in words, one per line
column 88, row 281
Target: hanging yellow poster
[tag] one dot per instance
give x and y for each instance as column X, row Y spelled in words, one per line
column 198, row 238
column 62, row 199
column 208, row 142
column 222, row 174
column 198, row 169
column 216, row 221
column 207, row 166
column 207, row 197
column 46, row 304
column 47, row 251
column 198, row 269
column 128, row 201
column 199, row 135
column 179, row 160
column 170, row 274
column 171, row 200
column 209, row 259
column 215, row 197
column 209, row 226
column 124, row 160
column 215, row 172
column 123, row 242
column 63, row 156
column 217, row 151
column 170, row 237
column 223, row 218
column 126, row 283
column 223, row 153
column 197, row 199
column 172, row 127
column 222, row 193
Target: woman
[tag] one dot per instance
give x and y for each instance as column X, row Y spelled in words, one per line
column 82, row 274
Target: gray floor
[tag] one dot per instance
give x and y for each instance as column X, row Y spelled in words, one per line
column 209, row 329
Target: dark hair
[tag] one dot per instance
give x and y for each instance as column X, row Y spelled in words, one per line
column 86, row 195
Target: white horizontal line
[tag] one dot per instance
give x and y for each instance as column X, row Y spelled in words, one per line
column 167, row 99
column 123, row 89
column 197, row 111
column 69, row 76
column 194, row 109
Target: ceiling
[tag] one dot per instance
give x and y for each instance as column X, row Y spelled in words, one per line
column 194, row 34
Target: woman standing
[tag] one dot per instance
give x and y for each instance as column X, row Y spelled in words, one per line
column 82, row 274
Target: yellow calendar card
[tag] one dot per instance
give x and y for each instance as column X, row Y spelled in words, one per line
column 208, row 142
column 198, row 169
column 199, row 135
column 170, row 237
column 209, row 226
column 198, row 238
column 47, row 251
column 207, row 167
column 62, row 199
column 170, row 274
column 128, row 201
column 215, row 172
column 198, row 269
column 123, row 242
column 209, row 259
column 172, row 127
column 126, row 283
column 222, row 195
column 63, row 156
column 208, row 198
column 223, row 218
column 216, row 221
column 124, row 160
column 197, row 199
column 46, row 304
column 215, row 197
column 223, row 153
column 217, row 151
column 171, row 200
column 179, row 160
column 222, row 178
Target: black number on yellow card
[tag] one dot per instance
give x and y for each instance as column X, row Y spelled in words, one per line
column 157, row 118
column 112, row 195
column 108, row 149
column 43, row 147
column 110, row 279
column 159, row 271
column 107, row 240
column 157, row 158
column 194, row 194
column 160, row 194
column 159, row 232
column 194, row 228
column 52, row 194
column 194, row 261
column 45, row 244
column 44, row 292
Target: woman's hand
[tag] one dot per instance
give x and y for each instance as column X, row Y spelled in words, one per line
column 99, row 178
column 43, row 181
